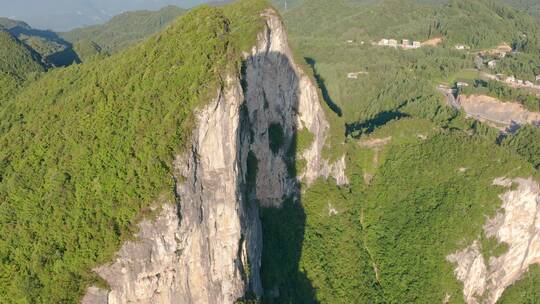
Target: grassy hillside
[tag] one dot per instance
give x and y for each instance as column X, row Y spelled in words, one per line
column 87, row 148
column 125, row 29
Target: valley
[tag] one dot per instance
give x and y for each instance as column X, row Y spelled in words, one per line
column 281, row 152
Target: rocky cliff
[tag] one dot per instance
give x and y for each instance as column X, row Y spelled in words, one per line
column 205, row 247
column 518, row 226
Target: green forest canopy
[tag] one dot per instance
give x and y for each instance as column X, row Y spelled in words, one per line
column 81, row 160
column 125, row 29
column 418, row 198
column 86, row 148
column 16, row 59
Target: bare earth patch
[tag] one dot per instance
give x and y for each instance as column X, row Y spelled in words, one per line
column 489, row 109
column 375, row 143
column 433, row 41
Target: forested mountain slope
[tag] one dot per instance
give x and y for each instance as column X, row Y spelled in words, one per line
column 421, row 174
column 86, row 149
column 125, row 29
column 54, row 50
column 63, row 49
column 16, row 62
column 353, row 173
column 530, row 6
column 17, row 59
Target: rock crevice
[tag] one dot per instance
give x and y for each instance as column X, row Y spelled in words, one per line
column 205, row 244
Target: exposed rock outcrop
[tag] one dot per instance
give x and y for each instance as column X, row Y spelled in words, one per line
column 276, row 76
column 205, row 247
column 517, row 226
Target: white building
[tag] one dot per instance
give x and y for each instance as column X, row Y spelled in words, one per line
column 492, row 64
column 354, row 75
column 405, row 42
column 537, row 77
column 529, row 84
column 416, row 44
column 460, row 47
column 392, row 42
column 383, row 41
column 510, row 79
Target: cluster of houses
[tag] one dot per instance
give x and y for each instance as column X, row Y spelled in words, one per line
column 491, row 57
column 350, row 41
column 512, row 80
column 405, row 43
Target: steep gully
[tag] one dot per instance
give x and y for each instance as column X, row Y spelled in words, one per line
column 206, row 246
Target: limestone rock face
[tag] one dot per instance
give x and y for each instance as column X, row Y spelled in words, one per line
column 300, row 95
column 205, row 245
column 279, row 93
column 517, row 226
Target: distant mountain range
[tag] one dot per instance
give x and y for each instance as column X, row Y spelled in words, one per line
column 63, row 49
column 64, row 15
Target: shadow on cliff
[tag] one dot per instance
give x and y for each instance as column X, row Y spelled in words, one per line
column 322, row 85
column 357, row 129
column 282, row 228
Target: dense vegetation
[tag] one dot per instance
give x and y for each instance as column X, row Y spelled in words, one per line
column 427, row 191
column 64, row 49
column 524, row 291
column 522, row 65
column 530, row 6
column 525, row 142
column 85, row 149
column 422, row 205
column 15, row 58
column 17, row 62
column 123, row 30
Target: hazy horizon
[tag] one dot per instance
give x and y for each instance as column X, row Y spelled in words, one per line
column 64, row 15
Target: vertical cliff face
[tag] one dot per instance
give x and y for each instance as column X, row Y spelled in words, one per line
column 517, row 226
column 281, row 100
column 205, row 247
